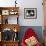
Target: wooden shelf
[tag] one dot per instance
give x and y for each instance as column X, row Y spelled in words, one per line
column 11, row 26
column 3, row 8
column 4, row 13
column 9, row 9
column 9, row 43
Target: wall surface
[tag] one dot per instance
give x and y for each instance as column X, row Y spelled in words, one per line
column 26, row 4
column 32, row 4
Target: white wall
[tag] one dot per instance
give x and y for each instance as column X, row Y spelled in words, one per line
column 27, row 4
column 32, row 4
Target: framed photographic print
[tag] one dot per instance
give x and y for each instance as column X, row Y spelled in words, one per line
column 5, row 12
column 13, row 12
column 30, row 13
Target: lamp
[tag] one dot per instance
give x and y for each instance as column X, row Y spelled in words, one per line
column 15, row 3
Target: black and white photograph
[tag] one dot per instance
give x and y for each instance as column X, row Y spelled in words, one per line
column 30, row 13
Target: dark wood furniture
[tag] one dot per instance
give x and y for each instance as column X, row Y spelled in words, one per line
column 8, row 11
column 0, row 43
column 10, row 43
column 4, row 13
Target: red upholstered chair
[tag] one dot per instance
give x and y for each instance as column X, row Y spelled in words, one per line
column 28, row 34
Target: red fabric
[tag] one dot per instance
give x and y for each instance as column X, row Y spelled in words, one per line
column 29, row 33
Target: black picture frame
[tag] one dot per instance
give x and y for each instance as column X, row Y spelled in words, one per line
column 30, row 13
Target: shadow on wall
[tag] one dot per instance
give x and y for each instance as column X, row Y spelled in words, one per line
column 37, row 29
